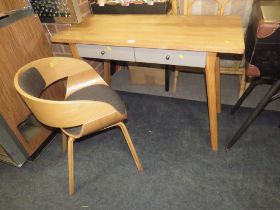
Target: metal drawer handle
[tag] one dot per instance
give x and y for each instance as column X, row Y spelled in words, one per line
column 167, row 57
column 102, row 52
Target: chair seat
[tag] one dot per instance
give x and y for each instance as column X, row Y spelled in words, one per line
column 102, row 93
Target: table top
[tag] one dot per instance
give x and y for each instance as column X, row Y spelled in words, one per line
column 197, row 33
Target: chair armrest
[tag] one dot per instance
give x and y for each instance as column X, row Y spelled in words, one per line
column 55, row 68
column 63, row 114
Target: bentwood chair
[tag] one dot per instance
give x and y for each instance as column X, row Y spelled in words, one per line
column 90, row 105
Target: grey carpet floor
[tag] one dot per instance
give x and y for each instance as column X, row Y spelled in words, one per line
column 171, row 137
column 192, row 86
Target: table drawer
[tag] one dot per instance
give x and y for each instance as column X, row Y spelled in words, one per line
column 106, row 52
column 172, row 57
column 158, row 56
column 189, row 58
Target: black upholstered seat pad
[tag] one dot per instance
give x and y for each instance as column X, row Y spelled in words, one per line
column 32, row 82
column 102, row 93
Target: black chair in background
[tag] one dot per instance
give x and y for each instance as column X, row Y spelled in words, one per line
column 271, row 95
column 262, row 54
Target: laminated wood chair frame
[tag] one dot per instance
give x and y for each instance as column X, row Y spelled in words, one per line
column 235, row 70
column 90, row 104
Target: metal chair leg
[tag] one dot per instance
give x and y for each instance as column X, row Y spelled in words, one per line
column 275, row 97
column 252, row 85
column 262, row 104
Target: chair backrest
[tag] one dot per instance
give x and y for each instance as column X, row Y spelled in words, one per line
column 55, row 68
column 217, row 7
column 262, row 41
column 32, row 82
column 34, row 77
column 214, row 7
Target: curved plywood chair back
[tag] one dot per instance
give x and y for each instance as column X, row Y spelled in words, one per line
column 55, row 68
column 89, row 105
column 215, row 7
column 34, row 77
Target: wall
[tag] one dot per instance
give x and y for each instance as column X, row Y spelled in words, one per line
column 63, row 50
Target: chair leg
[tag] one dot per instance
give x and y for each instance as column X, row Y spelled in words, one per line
column 167, row 73
column 262, row 104
column 64, row 142
column 176, row 74
column 275, row 97
column 242, row 84
column 253, row 84
column 71, row 164
column 130, row 145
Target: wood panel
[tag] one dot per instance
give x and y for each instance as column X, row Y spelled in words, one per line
column 8, row 5
column 4, row 156
column 21, row 42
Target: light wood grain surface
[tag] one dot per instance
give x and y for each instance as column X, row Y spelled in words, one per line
column 8, row 5
column 211, row 84
column 21, row 42
column 200, row 33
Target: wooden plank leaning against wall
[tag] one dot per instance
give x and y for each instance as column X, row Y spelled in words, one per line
column 21, row 42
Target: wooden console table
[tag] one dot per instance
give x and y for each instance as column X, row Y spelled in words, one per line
column 170, row 40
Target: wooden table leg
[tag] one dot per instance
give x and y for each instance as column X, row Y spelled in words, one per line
column 212, row 100
column 167, row 73
column 74, row 51
column 113, row 67
column 218, row 84
column 107, row 72
column 107, row 69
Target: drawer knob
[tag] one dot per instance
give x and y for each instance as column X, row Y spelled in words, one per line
column 102, row 52
column 167, row 57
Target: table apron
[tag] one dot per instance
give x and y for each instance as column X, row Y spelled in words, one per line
column 145, row 55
